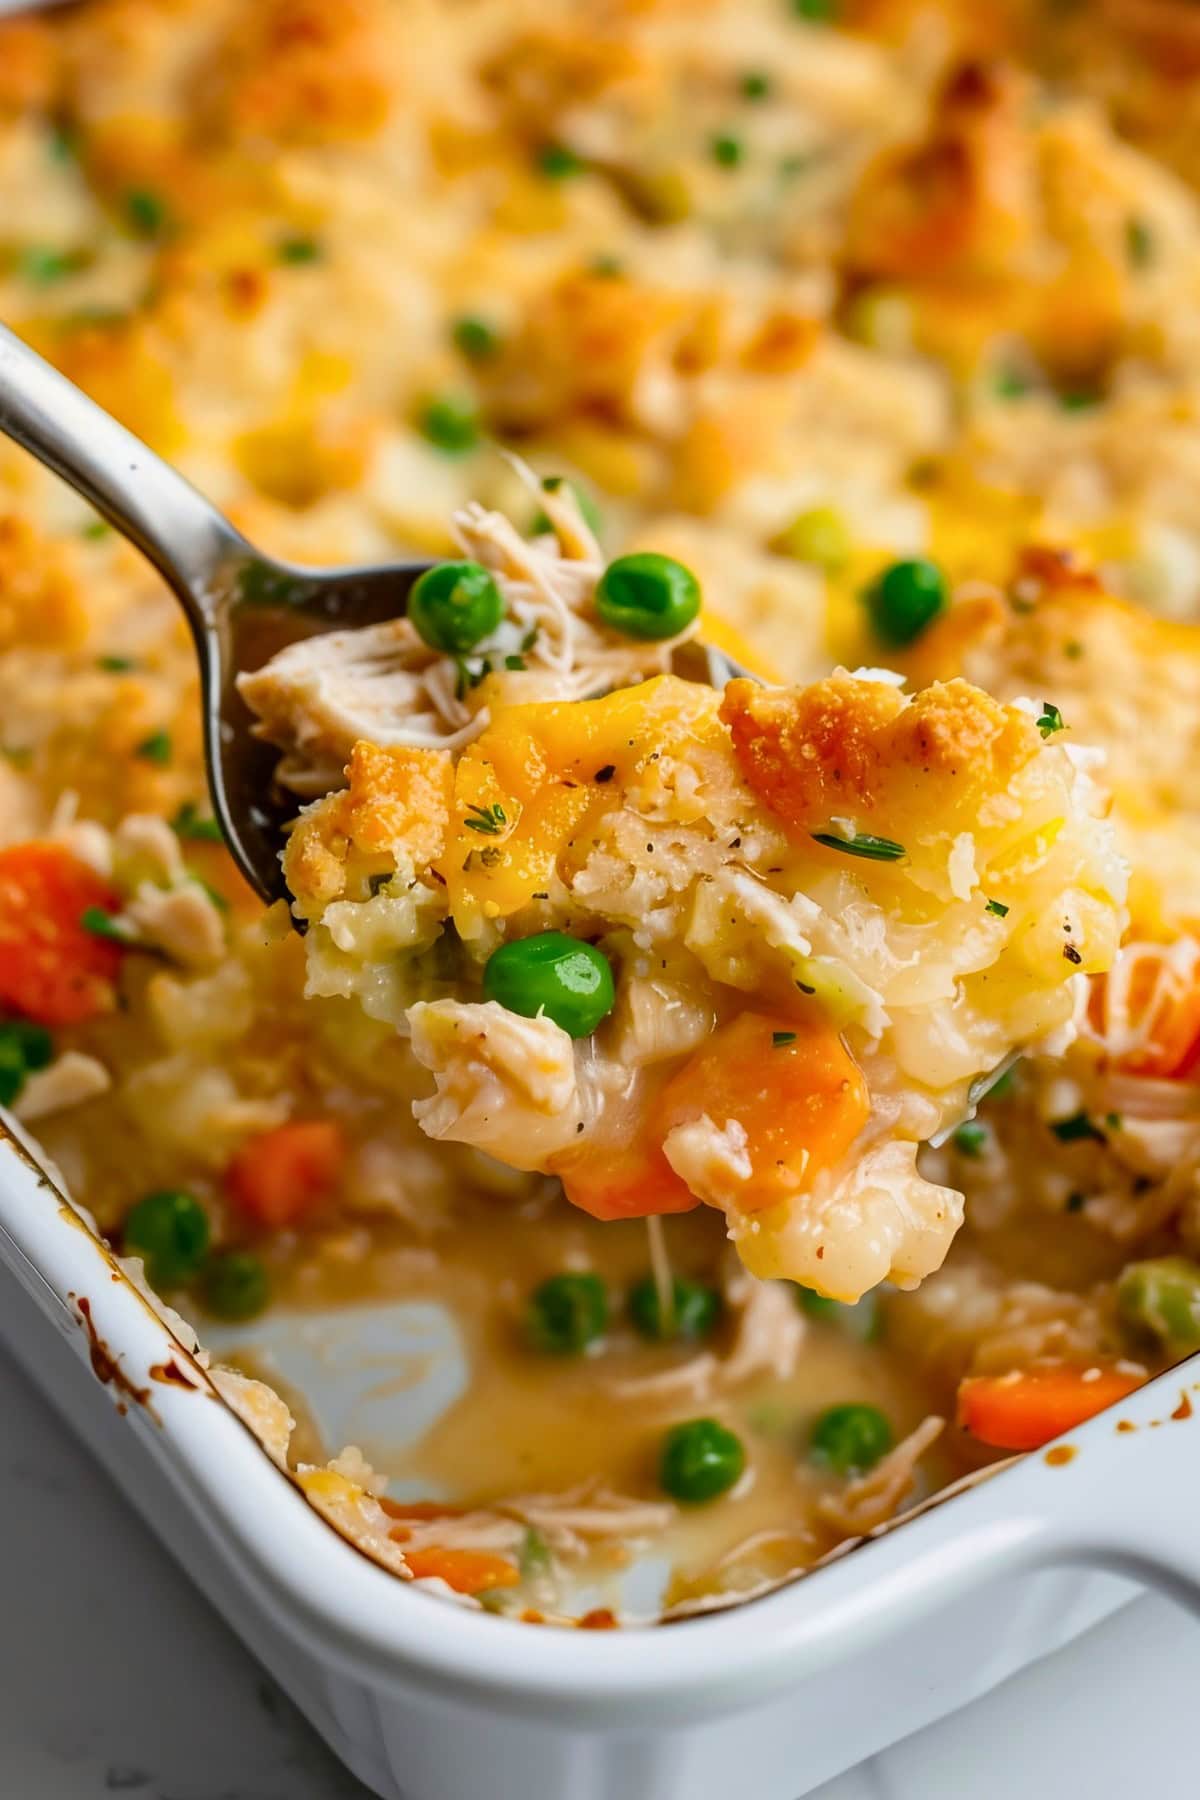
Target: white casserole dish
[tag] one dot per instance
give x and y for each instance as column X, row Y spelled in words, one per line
column 427, row 1701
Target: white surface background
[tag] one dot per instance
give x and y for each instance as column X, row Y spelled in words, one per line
column 117, row 1679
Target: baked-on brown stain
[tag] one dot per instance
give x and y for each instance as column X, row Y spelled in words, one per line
column 1126, row 1425
column 1184, row 1409
column 105, row 1366
column 172, row 1375
column 1060, row 1454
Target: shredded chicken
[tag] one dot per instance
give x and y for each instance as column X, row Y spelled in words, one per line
column 876, row 1496
column 317, row 698
column 183, row 922
column 70, row 1079
column 504, row 1083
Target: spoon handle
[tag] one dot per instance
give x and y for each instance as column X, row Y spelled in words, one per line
column 188, row 540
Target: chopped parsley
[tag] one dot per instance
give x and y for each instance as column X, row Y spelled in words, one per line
column 1009, row 383
column 63, row 143
column 299, row 248
column 557, row 162
column 155, row 749
column 116, row 665
column 531, row 637
column 816, row 12
column 1139, row 242
column 607, row 266
column 1113, row 1121
column 474, row 338
column 103, row 924
column 1077, row 1129
column 756, row 84
column 146, row 212
column 876, row 849
column 998, row 908
column 42, row 266
column 780, row 1038
column 514, row 662
column 95, row 530
column 189, row 822
column 490, row 820
column 726, row 150
column 1051, row 720
column 971, row 1138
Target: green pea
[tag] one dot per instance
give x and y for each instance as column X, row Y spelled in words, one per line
column 647, row 596
column 13, row 1071
column 818, row 536
column 33, row 1041
column 694, row 1311
column 1162, row 1296
column 907, row 597
column 170, row 1230
column 236, row 1286
column 552, row 973
column 567, row 1313
column 699, row 1460
column 451, row 423
column 849, row 1439
column 455, row 605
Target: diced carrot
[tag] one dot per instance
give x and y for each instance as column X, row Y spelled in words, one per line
column 1025, row 1409
column 466, row 1571
column 1171, row 1014
column 623, row 1181
column 281, row 1176
column 792, row 1086
column 52, row 968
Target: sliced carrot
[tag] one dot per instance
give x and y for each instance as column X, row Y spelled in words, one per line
column 623, row 1181
column 281, row 1176
column 51, row 968
column 1025, row 1409
column 466, row 1571
column 792, row 1086
column 1172, row 1047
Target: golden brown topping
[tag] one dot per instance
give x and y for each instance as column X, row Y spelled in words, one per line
column 846, row 747
column 396, row 806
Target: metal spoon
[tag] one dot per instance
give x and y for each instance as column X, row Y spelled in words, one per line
column 242, row 606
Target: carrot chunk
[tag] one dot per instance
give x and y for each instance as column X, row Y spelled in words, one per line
column 281, row 1176
column 623, row 1181
column 466, row 1571
column 52, row 968
column 792, row 1086
column 1024, row 1410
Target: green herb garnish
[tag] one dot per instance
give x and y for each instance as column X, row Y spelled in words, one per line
column 1139, row 242
column 998, row 908
column 155, row 749
column 1051, row 720
column 488, row 819
column 780, row 1038
column 876, row 849
column 189, row 822
column 1077, row 1129
column 558, row 163
column 970, row 1139
column 756, row 84
column 102, row 924
column 146, row 212
column 299, row 248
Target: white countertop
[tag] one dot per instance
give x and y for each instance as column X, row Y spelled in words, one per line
column 117, row 1679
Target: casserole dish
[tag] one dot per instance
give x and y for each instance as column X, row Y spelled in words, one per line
column 428, row 1702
